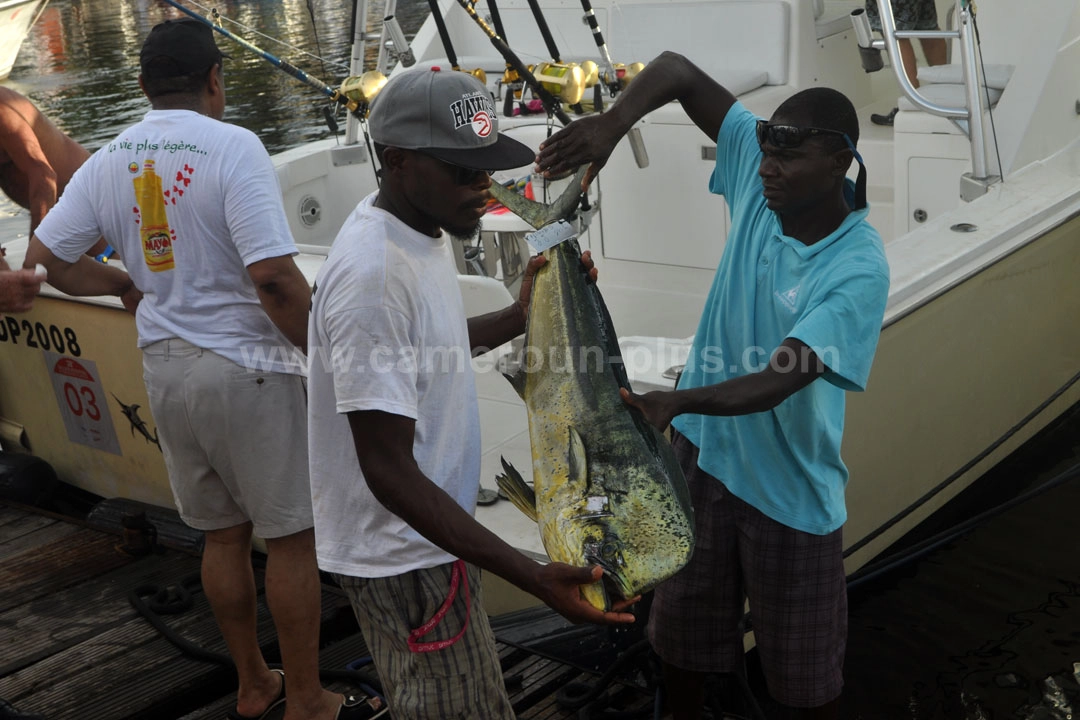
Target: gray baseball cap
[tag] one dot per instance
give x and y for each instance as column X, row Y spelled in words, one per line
column 445, row 114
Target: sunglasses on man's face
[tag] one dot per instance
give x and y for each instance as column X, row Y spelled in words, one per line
column 787, row 137
column 461, row 175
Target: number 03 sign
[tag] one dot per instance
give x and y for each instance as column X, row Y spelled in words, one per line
column 82, row 401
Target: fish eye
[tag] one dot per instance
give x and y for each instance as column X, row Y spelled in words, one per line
column 609, row 550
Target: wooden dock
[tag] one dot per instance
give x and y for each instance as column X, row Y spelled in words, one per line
column 72, row 646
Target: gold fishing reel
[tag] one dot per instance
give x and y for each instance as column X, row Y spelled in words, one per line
column 362, row 89
column 565, row 81
column 591, row 72
column 477, row 73
column 624, row 74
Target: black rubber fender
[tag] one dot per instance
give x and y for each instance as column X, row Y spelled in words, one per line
column 26, row 479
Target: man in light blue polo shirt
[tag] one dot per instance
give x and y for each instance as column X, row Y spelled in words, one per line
column 791, row 323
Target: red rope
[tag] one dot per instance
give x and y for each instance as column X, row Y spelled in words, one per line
column 457, row 576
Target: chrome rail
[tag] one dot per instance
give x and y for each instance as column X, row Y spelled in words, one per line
column 969, row 118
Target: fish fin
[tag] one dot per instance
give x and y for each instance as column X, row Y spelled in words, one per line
column 538, row 214
column 513, row 486
column 577, row 462
column 596, row 595
column 517, row 380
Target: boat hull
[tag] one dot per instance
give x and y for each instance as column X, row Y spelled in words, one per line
column 16, row 17
column 951, row 378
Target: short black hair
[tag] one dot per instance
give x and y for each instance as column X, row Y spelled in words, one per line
column 164, row 82
column 824, row 108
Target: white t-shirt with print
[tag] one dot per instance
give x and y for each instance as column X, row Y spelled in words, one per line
column 387, row 332
column 188, row 202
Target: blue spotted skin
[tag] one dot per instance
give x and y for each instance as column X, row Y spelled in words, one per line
column 608, row 490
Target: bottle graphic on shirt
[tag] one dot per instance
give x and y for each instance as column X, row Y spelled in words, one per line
column 154, row 228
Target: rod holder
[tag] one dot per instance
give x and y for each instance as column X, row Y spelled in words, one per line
column 392, row 31
column 869, row 52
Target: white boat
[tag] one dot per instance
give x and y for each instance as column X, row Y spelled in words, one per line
column 979, row 349
column 16, row 19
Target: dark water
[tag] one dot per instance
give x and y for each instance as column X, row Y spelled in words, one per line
column 80, row 63
column 986, row 627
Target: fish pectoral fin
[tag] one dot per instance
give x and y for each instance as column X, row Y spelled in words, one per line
column 577, row 464
column 513, row 486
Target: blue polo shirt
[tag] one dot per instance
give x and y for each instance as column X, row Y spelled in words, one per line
column 831, row 296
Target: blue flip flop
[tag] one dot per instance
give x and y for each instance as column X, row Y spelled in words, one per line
column 277, row 701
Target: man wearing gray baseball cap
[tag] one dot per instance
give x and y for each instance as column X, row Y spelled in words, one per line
column 394, row 428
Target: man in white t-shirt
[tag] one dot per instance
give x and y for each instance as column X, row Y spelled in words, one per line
column 394, row 427
column 194, row 209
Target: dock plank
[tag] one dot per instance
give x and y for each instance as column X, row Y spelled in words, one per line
column 19, row 537
column 30, row 632
column 72, row 647
column 58, row 564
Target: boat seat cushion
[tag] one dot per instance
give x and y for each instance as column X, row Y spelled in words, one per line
column 946, row 94
column 996, row 76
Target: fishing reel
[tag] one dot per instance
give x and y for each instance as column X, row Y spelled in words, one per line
column 565, row 81
column 624, row 74
column 477, row 73
column 362, row 89
column 514, row 86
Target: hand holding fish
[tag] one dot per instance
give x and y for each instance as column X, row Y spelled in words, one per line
column 535, row 263
column 560, row 589
column 657, row 406
column 589, row 140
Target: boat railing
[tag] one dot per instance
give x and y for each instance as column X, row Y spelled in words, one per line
column 967, row 118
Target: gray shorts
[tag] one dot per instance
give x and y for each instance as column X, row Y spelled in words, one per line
column 460, row 682
column 234, row 440
column 794, row 581
column 907, row 14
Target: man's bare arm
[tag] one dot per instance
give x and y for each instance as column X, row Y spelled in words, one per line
column 285, row 296
column 21, row 145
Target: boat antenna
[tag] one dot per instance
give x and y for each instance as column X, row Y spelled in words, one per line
column 289, row 69
column 549, row 102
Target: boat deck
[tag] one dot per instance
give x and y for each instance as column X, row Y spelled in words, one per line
column 73, row 646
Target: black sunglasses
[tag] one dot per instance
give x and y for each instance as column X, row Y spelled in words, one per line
column 787, row 137
column 462, row 175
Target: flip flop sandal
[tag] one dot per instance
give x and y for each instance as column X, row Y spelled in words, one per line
column 361, row 708
column 276, row 702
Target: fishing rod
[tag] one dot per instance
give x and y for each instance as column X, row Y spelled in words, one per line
column 571, row 84
column 609, row 75
column 550, row 104
column 545, row 31
column 333, row 93
column 448, row 45
column 510, row 79
column 444, row 34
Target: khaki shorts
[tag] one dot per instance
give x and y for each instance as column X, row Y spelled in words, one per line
column 463, row 681
column 234, row 440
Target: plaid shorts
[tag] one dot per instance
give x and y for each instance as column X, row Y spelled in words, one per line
column 463, row 681
column 794, row 581
column 908, row 14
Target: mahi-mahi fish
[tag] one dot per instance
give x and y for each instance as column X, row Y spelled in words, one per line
column 607, row 489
